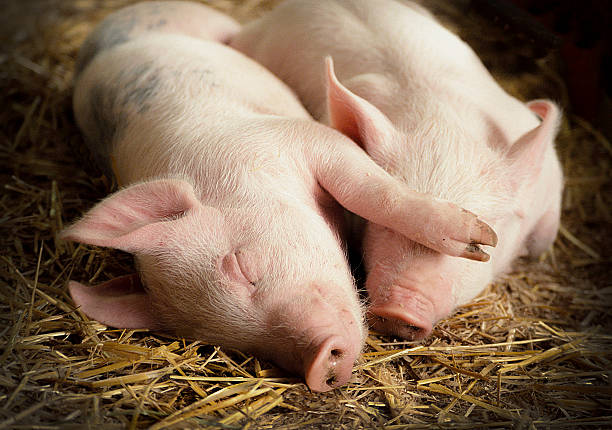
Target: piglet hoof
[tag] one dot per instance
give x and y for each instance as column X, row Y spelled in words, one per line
column 330, row 365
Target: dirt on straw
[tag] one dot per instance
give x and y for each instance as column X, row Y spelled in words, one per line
column 533, row 351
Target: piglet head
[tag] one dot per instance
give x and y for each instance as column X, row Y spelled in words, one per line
column 221, row 276
column 514, row 189
column 412, row 287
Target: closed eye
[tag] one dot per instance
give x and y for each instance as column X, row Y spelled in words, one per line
column 235, row 267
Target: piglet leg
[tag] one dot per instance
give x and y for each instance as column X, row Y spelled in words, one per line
column 364, row 188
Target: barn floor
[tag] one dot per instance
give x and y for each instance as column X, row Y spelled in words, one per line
column 534, row 351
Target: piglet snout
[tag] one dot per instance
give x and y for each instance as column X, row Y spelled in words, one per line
column 319, row 338
column 329, row 364
column 403, row 312
column 399, row 324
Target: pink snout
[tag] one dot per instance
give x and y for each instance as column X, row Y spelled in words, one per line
column 408, row 309
column 319, row 340
column 329, row 364
column 402, row 312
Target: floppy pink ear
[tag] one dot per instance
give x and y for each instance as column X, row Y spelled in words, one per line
column 132, row 219
column 121, row 302
column 527, row 153
column 354, row 116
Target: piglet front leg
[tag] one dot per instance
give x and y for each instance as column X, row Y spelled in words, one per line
column 364, row 188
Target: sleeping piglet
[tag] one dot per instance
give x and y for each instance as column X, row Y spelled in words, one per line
column 227, row 195
column 424, row 107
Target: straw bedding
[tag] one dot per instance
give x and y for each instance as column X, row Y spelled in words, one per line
column 533, row 351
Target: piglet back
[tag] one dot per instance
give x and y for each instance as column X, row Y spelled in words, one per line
column 187, row 18
column 95, row 105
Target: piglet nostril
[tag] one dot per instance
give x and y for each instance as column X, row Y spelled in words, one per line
column 335, row 356
column 336, row 353
column 331, row 378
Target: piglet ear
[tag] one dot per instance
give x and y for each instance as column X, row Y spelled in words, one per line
column 527, row 153
column 121, row 302
column 354, row 116
column 131, row 219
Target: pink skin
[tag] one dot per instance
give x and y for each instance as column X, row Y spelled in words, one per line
column 326, row 362
column 230, row 198
column 411, row 288
column 399, row 303
column 408, row 297
column 321, row 353
column 318, row 352
column 257, row 267
column 309, row 329
column 422, row 105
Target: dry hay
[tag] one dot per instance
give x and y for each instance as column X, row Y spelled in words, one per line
column 533, row 351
